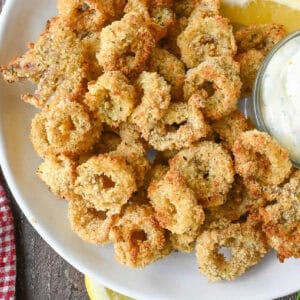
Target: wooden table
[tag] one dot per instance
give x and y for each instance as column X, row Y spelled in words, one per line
column 41, row 273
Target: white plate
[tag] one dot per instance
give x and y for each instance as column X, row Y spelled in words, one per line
column 175, row 277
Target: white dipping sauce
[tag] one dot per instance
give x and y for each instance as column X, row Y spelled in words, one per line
column 280, row 92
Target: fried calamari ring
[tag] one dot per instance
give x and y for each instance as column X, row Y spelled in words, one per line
column 138, row 238
column 229, row 128
column 170, row 68
column 154, row 102
column 106, row 181
column 184, row 8
column 125, row 45
column 182, row 125
column 111, row 97
column 240, row 203
column 135, row 156
column 246, row 242
column 89, row 15
column 207, row 35
column 261, row 37
column 158, row 14
column 175, row 204
column 184, row 242
column 88, row 223
column 133, row 151
column 208, row 170
column 281, row 221
column 65, row 127
column 217, row 83
column 56, row 62
column 250, row 62
column 260, row 158
column 59, row 173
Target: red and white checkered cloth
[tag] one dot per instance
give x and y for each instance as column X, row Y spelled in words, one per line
column 7, row 250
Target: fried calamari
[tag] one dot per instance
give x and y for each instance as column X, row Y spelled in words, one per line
column 217, row 83
column 138, row 238
column 208, row 171
column 247, row 245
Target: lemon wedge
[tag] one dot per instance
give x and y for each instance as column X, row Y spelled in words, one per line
column 98, row 292
column 247, row 12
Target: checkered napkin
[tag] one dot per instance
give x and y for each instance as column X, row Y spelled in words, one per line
column 7, row 250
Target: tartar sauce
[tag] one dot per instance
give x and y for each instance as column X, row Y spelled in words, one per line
column 280, row 97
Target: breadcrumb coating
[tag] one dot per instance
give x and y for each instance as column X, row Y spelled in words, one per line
column 59, row 173
column 106, row 181
column 89, row 15
column 259, row 158
column 111, row 97
column 138, row 238
column 175, row 204
column 90, row 224
column 155, row 101
column 55, row 62
column 182, row 125
column 65, row 127
column 217, row 84
column 206, row 35
column 126, row 45
column 208, row 171
column 246, row 242
column 229, row 128
column 170, row 68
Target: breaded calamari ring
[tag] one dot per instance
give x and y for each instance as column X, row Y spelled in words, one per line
column 133, row 151
column 229, row 128
column 171, row 68
column 111, row 97
column 88, row 223
column 260, row 158
column 240, row 203
column 135, row 156
column 261, row 37
column 65, row 127
column 208, row 170
column 184, row 8
column 246, row 242
column 217, row 83
column 59, row 173
column 154, row 102
column 126, row 45
column 175, row 204
column 106, row 181
column 250, row 62
column 157, row 13
column 184, row 242
column 182, row 125
column 281, row 221
column 138, row 238
column 55, row 62
column 89, row 15
column 206, row 35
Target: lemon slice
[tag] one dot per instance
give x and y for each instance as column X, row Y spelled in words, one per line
column 247, row 12
column 98, row 292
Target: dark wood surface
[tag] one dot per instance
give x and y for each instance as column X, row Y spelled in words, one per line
column 41, row 273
